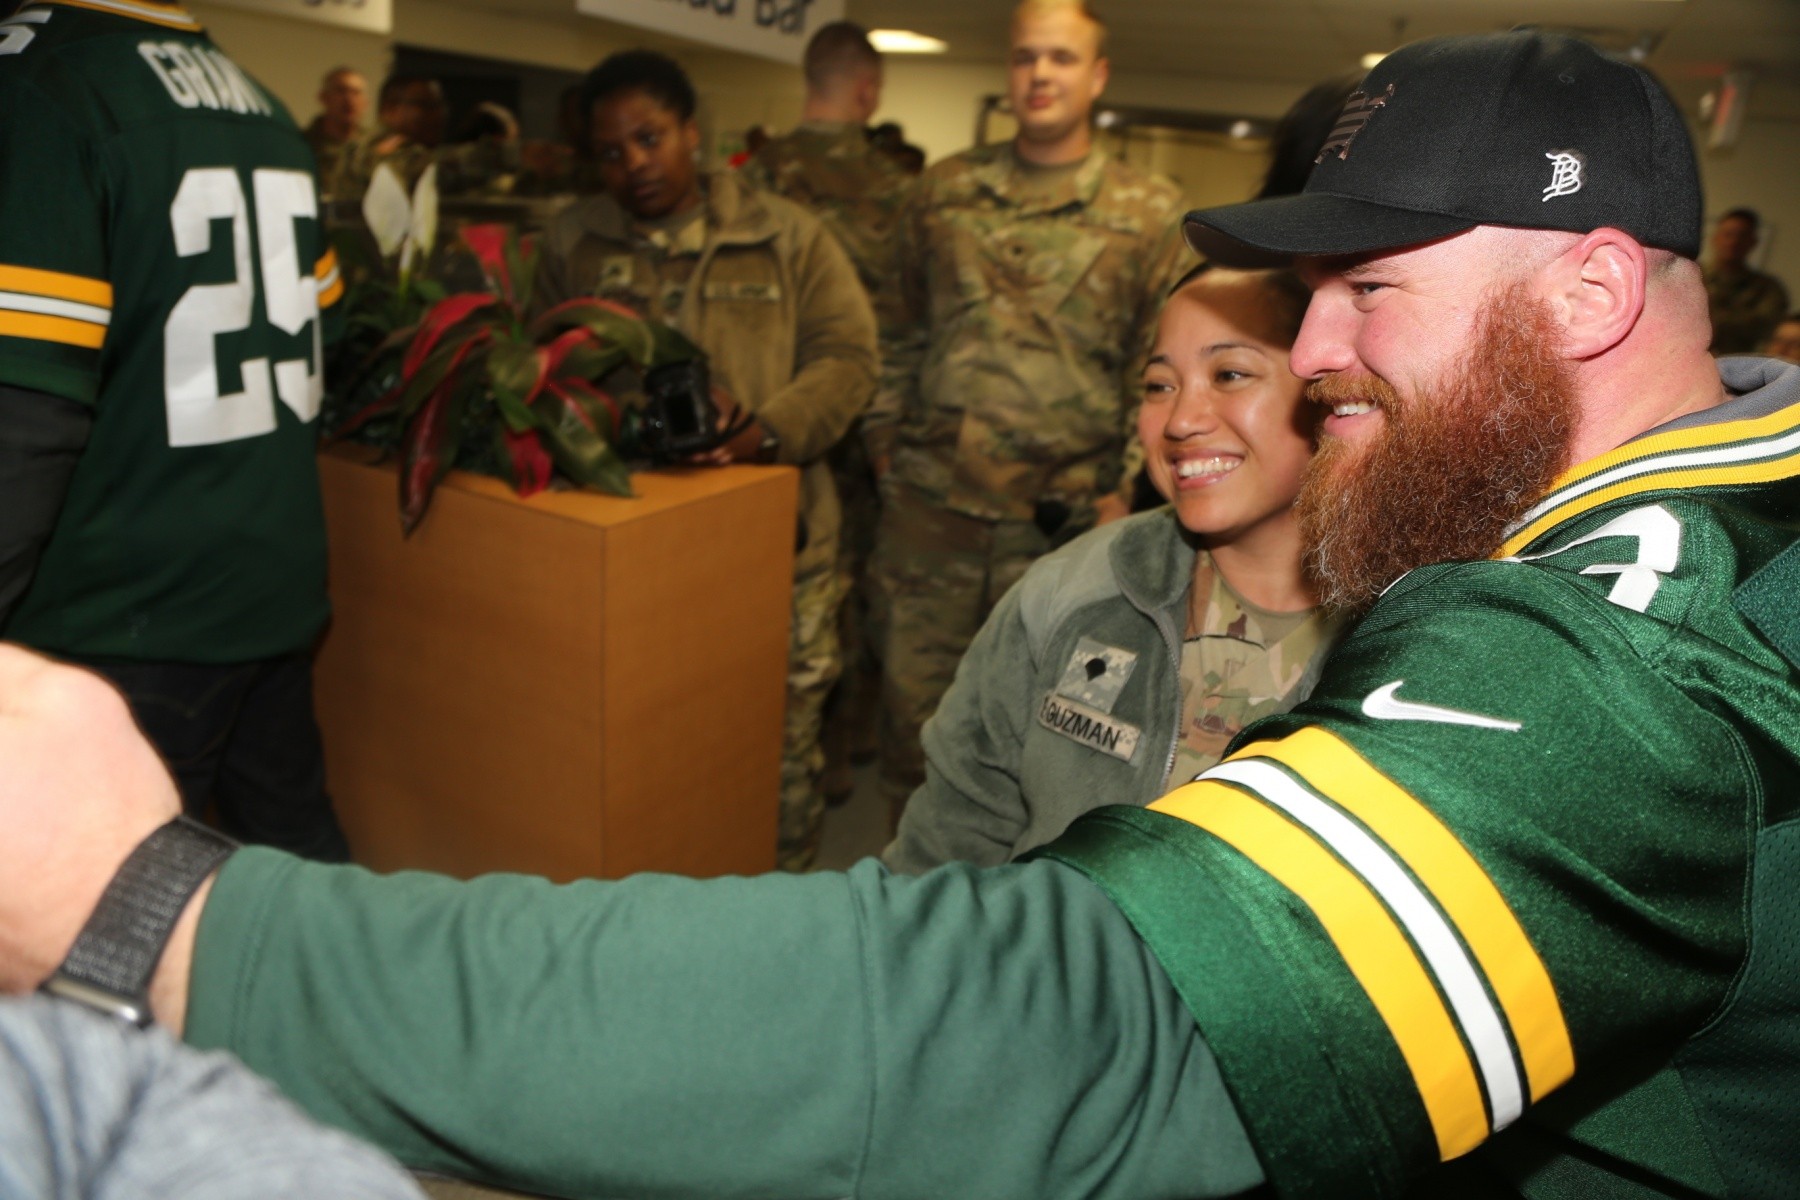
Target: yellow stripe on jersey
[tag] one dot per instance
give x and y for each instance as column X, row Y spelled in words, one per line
column 1369, row 940
column 330, row 279
column 56, row 285
column 41, row 328
column 1455, row 880
column 1706, row 456
column 170, row 16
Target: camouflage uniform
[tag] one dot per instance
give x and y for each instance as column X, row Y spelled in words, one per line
column 774, row 302
column 1238, row 663
column 482, row 165
column 830, row 169
column 1077, row 693
column 1745, row 307
column 1009, row 395
column 328, row 152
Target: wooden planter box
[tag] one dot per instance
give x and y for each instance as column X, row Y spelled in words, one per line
column 571, row 685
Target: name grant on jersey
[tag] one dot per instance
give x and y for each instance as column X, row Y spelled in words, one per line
column 201, row 77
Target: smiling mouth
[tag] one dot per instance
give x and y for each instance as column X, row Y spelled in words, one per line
column 1353, row 408
column 1197, row 468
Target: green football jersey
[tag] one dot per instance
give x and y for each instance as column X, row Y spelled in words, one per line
column 1535, row 832
column 161, row 259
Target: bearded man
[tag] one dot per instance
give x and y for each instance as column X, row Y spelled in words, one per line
column 1506, row 908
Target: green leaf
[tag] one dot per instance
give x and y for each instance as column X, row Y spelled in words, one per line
column 667, row 345
column 512, row 367
column 514, row 412
column 579, row 452
column 591, row 362
column 606, row 321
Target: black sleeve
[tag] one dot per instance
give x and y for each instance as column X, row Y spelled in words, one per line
column 41, row 437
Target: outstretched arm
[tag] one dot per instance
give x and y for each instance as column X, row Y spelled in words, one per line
column 993, row 1033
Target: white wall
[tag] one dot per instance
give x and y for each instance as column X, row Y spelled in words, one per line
column 1762, row 172
column 290, row 56
column 937, row 101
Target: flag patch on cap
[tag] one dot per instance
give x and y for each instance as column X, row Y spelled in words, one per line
column 1357, row 111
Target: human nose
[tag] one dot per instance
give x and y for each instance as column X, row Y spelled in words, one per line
column 1324, row 342
column 1193, row 414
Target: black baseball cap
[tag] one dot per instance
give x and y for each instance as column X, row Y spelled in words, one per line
column 1529, row 129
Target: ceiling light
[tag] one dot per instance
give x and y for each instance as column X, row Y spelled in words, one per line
column 905, row 41
column 1370, row 59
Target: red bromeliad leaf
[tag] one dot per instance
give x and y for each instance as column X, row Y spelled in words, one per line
column 385, row 403
column 571, row 405
column 427, row 451
column 608, row 321
column 439, row 371
column 552, row 357
column 443, row 315
column 581, row 389
column 530, row 462
column 488, row 244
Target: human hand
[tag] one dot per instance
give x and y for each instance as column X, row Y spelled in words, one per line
column 79, row 789
column 745, row 446
column 1111, row 507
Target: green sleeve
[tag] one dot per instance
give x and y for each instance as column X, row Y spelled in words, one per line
column 56, row 293
column 971, row 807
column 1502, row 848
column 969, row 1033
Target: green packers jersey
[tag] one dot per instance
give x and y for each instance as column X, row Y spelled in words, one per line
column 161, row 260
column 1535, row 832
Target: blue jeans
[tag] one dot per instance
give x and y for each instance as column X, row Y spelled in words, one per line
column 242, row 742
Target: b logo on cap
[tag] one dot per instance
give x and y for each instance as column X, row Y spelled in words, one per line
column 1565, row 173
column 1357, row 111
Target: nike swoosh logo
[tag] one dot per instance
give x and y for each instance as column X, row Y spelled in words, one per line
column 1383, row 705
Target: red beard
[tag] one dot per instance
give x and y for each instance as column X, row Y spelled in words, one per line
column 1454, row 465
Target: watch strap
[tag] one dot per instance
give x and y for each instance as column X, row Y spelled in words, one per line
column 115, row 955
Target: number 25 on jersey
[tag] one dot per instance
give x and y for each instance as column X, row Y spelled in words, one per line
column 199, row 415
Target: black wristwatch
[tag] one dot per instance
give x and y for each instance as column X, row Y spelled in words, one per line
column 114, row 957
column 769, row 449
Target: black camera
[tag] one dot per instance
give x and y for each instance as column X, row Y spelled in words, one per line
column 679, row 417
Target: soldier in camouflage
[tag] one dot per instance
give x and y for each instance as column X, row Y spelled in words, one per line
column 829, row 167
column 1745, row 304
column 410, row 115
column 343, row 101
column 1032, row 275
column 770, row 296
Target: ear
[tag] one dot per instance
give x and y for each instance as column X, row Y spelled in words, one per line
column 1597, row 289
column 1102, row 72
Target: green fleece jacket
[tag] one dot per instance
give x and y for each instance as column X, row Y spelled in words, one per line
column 1021, row 744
